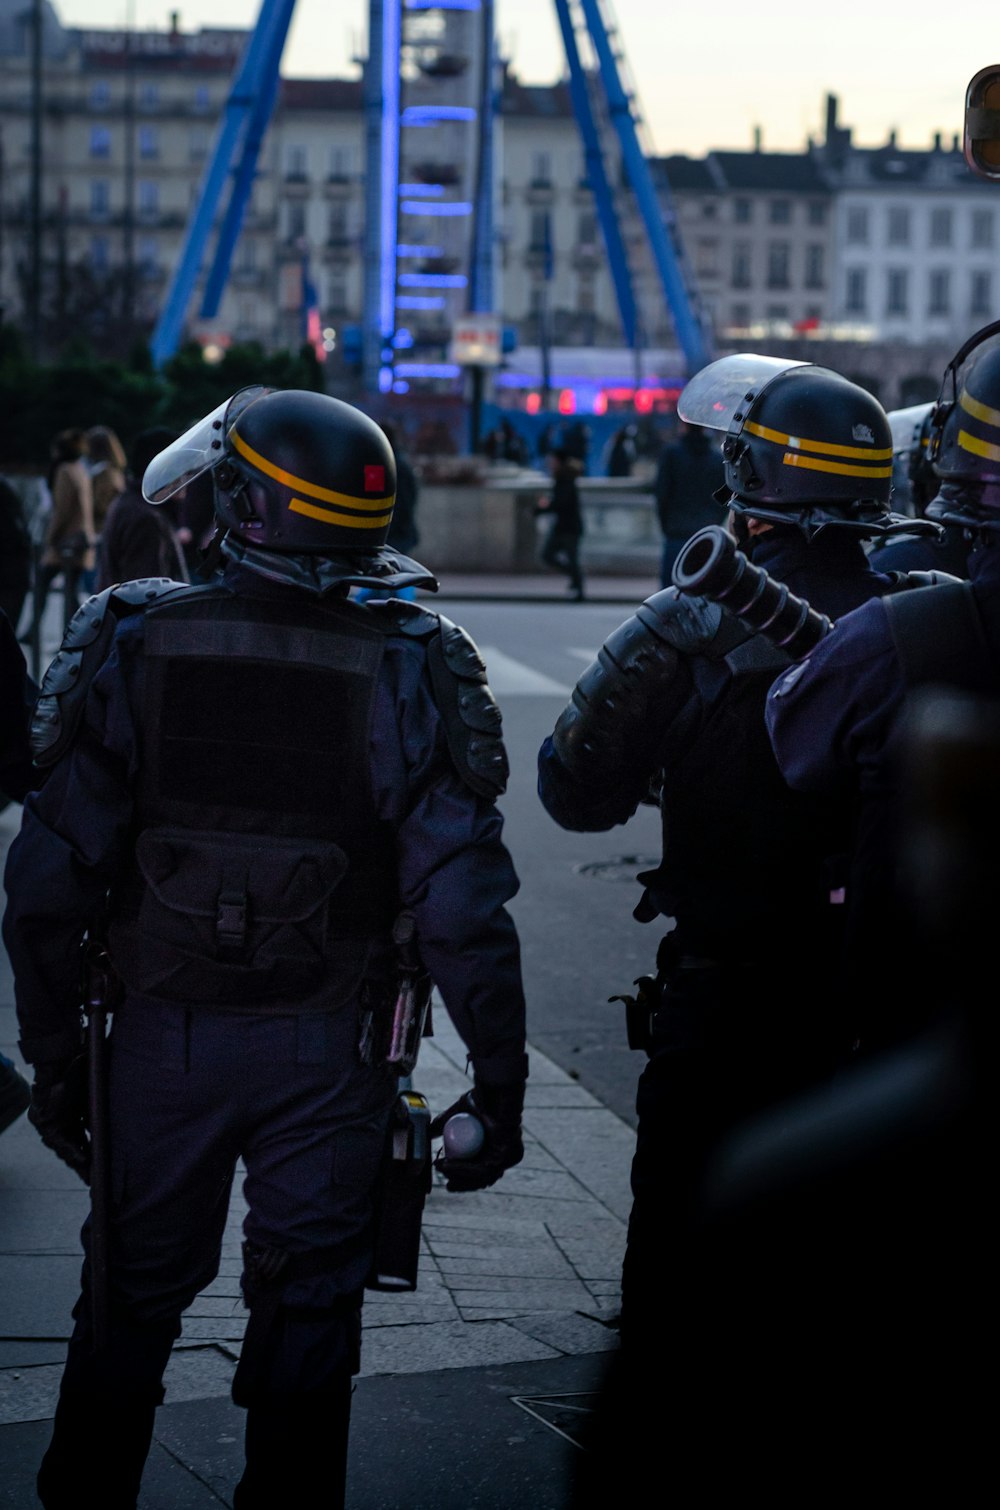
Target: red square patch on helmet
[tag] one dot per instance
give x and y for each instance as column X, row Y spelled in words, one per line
column 374, row 479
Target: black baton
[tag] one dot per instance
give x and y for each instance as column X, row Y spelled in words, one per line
column 99, row 982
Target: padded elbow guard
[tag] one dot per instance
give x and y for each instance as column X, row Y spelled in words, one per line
column 625, row 699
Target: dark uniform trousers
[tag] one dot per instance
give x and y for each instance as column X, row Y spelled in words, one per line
column 193, row 1091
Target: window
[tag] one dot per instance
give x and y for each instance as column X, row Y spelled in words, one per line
column 816, row 212
column 336, row 223
column 198, row 144
column 777, row 314
column 149, row 142
column 742, row 211
column 340, row 162
column 248, row 314
column 939, row 289
column 541, row 168
column 856, row 302
column 148, row 198
column 100, row 95
column 202, row 99
column 337, row 294
column 982, row 294
column 296, row 221
column 586, row 229
column 100, row 141
column 857, row 225
column 149, row 96
column 815, row 269
column 247, row 260
column 897, row 291
column 899, row 225
column 740, row 316
column 148, row 256
column 778, row 262
column 707, row 257
column 296, row 162
column 779, row 211
column 982, row 228
column 540, row 232
column 742, row 265
column 940, row 227
column 100, row 198
column 99, row 254
column 709, row 210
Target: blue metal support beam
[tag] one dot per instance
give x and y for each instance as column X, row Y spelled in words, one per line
column 263, row 53
column 597, row 176
column 382, row 94
column 690, row 333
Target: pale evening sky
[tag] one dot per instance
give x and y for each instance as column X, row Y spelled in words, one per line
column 704, row 75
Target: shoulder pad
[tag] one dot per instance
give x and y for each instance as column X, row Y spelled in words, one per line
column 907, row 579
column 399, row 616
column 84, row 648
column 471, row 716
column 685, row 622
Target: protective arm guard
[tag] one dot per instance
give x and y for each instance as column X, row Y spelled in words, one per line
column 83, row 651
column 469, row 711
column 607, row 740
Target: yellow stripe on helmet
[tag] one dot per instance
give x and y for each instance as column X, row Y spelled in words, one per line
column 979, row 411
column 352, row 521
column 821, row 447
column 814, row 464
column 299, row 484
column 978, row 447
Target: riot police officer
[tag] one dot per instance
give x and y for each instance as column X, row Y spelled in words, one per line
column 742, row 1004
column 837, row 719
column 948, row 551
column 248, row 781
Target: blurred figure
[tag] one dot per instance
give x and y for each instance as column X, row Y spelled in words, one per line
column 16, row 779
column 576, row 442
column 140, row 540
column 106, row 463
column 949, row 549
column 561, row 550
column 689, row 473
column 621, row 454
column 69, row 536
column 15, row 554
column 403, row 534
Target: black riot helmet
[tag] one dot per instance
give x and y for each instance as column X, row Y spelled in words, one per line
column 293, row 471
column 964, row 447
column 803, row 445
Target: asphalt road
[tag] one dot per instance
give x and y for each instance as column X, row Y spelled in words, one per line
column 580, row 943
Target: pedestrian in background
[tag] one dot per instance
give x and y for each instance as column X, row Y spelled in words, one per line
column 621, row 453
column 15, row 553
column 561, row 549
column 68, row 548
column 106, row 463
column 139, row 540
column 16, row 779
column 688, row 475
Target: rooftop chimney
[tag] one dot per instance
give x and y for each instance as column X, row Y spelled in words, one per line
column 756, row 138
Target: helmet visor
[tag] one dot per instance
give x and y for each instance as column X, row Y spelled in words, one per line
column 905, row 425
column 196, row 450
column 716, row 393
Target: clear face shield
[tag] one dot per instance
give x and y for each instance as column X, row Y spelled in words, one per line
column 715, row 395
column 197, row 450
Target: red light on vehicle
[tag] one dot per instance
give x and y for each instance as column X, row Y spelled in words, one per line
column 567, row 401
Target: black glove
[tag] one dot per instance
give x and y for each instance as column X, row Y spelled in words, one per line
column 498, row 1108
column 58, row 1112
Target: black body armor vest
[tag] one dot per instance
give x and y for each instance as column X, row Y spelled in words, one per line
column 262, row 875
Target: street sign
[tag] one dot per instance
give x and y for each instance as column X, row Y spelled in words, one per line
column 476, row 341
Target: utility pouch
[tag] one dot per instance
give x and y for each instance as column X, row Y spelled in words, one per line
column 237, row 919
column 404, row 1182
